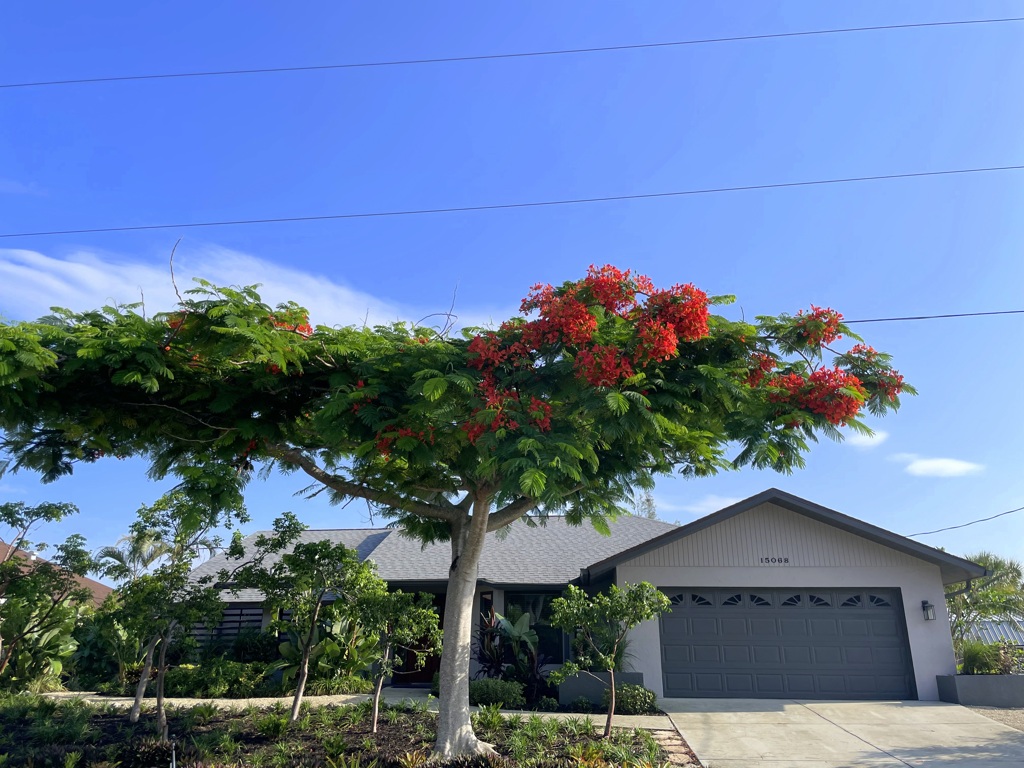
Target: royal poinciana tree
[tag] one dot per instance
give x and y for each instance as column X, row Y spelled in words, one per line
column 603, row 384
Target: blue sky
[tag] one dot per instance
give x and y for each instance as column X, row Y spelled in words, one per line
column 488, row 132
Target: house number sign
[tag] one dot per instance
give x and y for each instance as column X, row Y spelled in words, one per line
column 777, row 560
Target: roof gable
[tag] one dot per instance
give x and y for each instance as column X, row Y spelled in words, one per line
column 874, row 545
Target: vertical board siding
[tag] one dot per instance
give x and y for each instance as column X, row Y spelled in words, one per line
column 771, row 531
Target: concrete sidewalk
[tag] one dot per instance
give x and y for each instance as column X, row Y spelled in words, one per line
column 787, row 733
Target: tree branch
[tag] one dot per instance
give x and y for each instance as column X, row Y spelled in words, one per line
column 339, row 484
column 510, row 513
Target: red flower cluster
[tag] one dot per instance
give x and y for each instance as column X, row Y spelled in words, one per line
column 541, row 414
column 602, row 366
column 863, row 351
column 822, row 392
column 656, row 341
column 890, row 384
column 614, row 289
column 819, row 326
column 304, row 329
column 760, row 366
column 684, row 307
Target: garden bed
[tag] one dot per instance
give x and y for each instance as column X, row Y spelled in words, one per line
column 982, row 690
column 45, row 732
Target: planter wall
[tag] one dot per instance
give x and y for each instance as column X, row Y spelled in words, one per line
column 593, row 685
column 982, row 690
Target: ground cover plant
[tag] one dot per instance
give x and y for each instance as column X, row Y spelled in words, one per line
column 45, row 732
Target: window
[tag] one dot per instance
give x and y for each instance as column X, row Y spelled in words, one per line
column 733, row 600
column 758, row 602
column 879, row 602
column 818, row 601
column 678, row 599
column 793, row 600
column 853, row 601
column 538, row 605
column 699, row 599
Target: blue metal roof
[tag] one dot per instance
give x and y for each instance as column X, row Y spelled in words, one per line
column 993, row 631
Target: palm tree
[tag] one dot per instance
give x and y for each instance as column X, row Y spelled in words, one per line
column 998, row 595
column 133, row 555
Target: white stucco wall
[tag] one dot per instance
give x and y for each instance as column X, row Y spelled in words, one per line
column 729, row 554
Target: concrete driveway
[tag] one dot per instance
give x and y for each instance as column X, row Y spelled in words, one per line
column 787, row 733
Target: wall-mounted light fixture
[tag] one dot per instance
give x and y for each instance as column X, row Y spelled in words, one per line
column 929, row 610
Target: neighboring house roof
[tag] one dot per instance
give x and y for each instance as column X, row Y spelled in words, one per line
column 549, row 554
column 98, row 590
column 991, row 631
column 953, row 569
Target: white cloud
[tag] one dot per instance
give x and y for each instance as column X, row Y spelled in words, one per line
column 703, row 506
column 867, row 441
column 925, row 467
column 12, row 187
column 31, row 282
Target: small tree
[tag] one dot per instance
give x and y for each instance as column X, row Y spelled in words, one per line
column 162, row 607
column 300, row 576
column 998, row 596
column 401, row 621
column 602, row 621
column 36, row 594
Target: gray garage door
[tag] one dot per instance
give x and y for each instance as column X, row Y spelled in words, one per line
column 813, row 644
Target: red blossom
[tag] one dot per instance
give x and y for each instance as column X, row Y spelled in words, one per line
column 760, row 365
column 832, row 392
column 602, row 366
column 819, row 326
column 684, row 307
column 657, row 341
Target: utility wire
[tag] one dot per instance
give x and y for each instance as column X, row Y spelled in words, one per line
column 936, row 317
column 964, row 525
column 521, row 55
column 508, row 206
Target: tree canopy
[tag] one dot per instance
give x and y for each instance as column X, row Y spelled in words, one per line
column 601, row 385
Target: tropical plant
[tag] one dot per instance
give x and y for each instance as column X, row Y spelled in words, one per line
column 339, row 648
column 601, row 620
column 603, row 384
column 39, row 598
column 999, row 595
column 133, row 555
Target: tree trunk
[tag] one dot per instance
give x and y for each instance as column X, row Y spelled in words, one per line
column 140, row 689
column 380, row 684
column 161, row 674
column 454, row 729
column 300, row 680
column 611, row 702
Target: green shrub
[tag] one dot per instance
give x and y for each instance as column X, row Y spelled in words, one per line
column 582, row 704
column 546, row 704
column 507, row 693
column 980, row 658
column 255, row 645
column 632, row 700
column 216, row 678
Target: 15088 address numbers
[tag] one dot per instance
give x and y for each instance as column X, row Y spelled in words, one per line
column 774, row 561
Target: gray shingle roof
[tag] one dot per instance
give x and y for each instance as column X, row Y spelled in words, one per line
column 551, row 554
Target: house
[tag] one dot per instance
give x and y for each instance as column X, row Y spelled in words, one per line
column 98, row 591
column 773, row 597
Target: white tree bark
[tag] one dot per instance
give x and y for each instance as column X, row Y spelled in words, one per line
column 455, row 734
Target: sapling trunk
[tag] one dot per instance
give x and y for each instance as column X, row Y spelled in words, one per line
column 385, row 657
column 161, row 675
column 140, row 689
column 611, row 702
column 303, row 675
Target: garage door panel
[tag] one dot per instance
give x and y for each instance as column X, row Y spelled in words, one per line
column 814, row 643
column 764, row 627
column 768, row 655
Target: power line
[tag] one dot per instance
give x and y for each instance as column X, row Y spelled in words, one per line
column 520, row 55
column 964, row 525
column 508, row 206
column 936, row 317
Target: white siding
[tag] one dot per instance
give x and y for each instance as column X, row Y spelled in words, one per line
column 729, row 555
column 771, row 531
